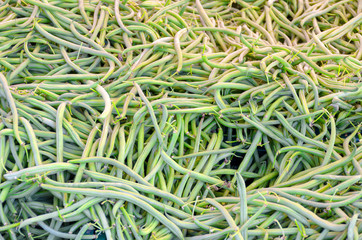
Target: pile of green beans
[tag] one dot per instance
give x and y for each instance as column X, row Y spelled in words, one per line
column 180, row 119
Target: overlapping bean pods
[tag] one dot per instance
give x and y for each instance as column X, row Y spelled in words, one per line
column 181, row 119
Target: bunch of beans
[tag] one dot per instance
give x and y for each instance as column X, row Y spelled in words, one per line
column 129, row 119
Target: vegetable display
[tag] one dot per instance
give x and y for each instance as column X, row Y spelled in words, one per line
column 182, row 119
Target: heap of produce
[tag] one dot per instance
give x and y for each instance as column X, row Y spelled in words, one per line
column 181, row 119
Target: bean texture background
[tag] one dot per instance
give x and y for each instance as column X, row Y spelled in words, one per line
column 183, row 119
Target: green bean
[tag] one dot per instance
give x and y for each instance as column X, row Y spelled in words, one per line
column 351, row 227
column 131, row 223
column 169, row 7
column 50, row 230
column 103, row 221
column 180, row 190
column 115, row 163
column 178, row 48
column 124, row 196
column 297, row 134
column 243, row 204
column 82, row 231
column 50, row 7
column 45, row 168
column 74, row 46
column 56, row 213
column 228, row 218
column 321, row 170
column 12, row 107
column 9, row 226
column 193, row 174
column 153, row 117
column 264, row 130
column 343, row 185
column 327, row 157
column 33, row 143
column 249, row 221
column 188, row 119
